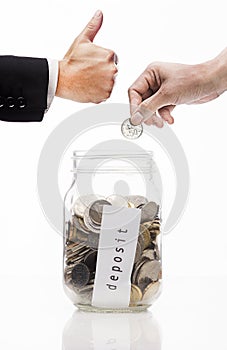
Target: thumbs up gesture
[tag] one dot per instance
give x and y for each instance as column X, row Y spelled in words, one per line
column 87, row 72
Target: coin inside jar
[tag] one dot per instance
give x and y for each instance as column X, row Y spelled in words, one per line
column 131, row 131
column 149, row 270
column 80, row 275
column 96, row 209
column 137, row 201
column 151, row 291
column 83, row 202
column 138, row 252
column 136, row 294
column 92, row 227
column 149, row 211
column 149, row 254
column 90, row 260
column 146, row 235
column 117, row 201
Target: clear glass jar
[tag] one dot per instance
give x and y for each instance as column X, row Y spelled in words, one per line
column 112, row 232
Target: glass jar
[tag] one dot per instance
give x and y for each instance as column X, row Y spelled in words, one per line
column 112, row 231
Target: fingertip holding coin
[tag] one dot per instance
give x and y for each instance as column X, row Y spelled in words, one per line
column 131, row 131
column 136, row 118
column 132, row 128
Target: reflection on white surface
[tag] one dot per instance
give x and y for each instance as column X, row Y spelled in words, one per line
column 118, row 331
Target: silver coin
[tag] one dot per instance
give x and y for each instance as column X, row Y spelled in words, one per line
column 93, row 240
column 96, row 209
column 131, row 131
column 144, row 282
column 91, row 226
column 149, row 270
column 74, row 257
column 138, row 253
column 148, row 224
column 80, row 275
column 80, row 237
column 67, row 229
column 137, row 200
column 69, row 246
column 145, row 235
column 90, row 260
column 83, row 202
column 75, row 247
column 88, row 287
column 131, row 205
column 72, row 236
column 78, row 250
column 149, row 254
column 151, row 291
column 141, row 241
column 72, row 261
column 117, row 200
column 136, row 269
column 157, row 252
column 149, row 211
column 78, row 222
column 85, row 296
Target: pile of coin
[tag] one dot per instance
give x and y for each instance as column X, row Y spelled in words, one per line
column 82, row 240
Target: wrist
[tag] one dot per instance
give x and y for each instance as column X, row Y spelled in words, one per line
column 218, row 72
column 60, row 82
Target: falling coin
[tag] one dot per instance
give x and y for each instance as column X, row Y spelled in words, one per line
column 131, row 131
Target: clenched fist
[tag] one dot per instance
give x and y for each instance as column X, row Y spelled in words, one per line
column 87, row 72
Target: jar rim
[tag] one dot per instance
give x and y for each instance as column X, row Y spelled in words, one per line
column 93, row 154
column 140, row 161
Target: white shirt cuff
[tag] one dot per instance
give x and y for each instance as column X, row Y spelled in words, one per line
column 53, row 79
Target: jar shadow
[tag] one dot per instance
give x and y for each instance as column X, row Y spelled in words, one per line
column 117, row 331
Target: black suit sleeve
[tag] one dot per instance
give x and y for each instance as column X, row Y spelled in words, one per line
column 23, row 88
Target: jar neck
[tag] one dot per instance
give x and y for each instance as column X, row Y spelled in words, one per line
column 110, row 161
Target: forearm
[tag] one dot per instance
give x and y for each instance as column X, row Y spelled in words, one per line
column 217, row 71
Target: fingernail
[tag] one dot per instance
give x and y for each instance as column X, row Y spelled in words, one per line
column 136, row 118
column 98, row 13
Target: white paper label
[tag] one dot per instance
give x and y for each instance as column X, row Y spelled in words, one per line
column 116, row 253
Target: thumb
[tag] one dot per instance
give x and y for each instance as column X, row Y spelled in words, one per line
column 92, row 27
column 148, row 107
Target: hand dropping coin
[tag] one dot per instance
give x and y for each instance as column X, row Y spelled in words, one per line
column 131, row 131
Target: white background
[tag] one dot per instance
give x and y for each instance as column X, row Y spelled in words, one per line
column 33, row 308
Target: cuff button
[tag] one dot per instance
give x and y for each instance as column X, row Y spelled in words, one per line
column 2, row 102
column 10, row 102
column 21, row 102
